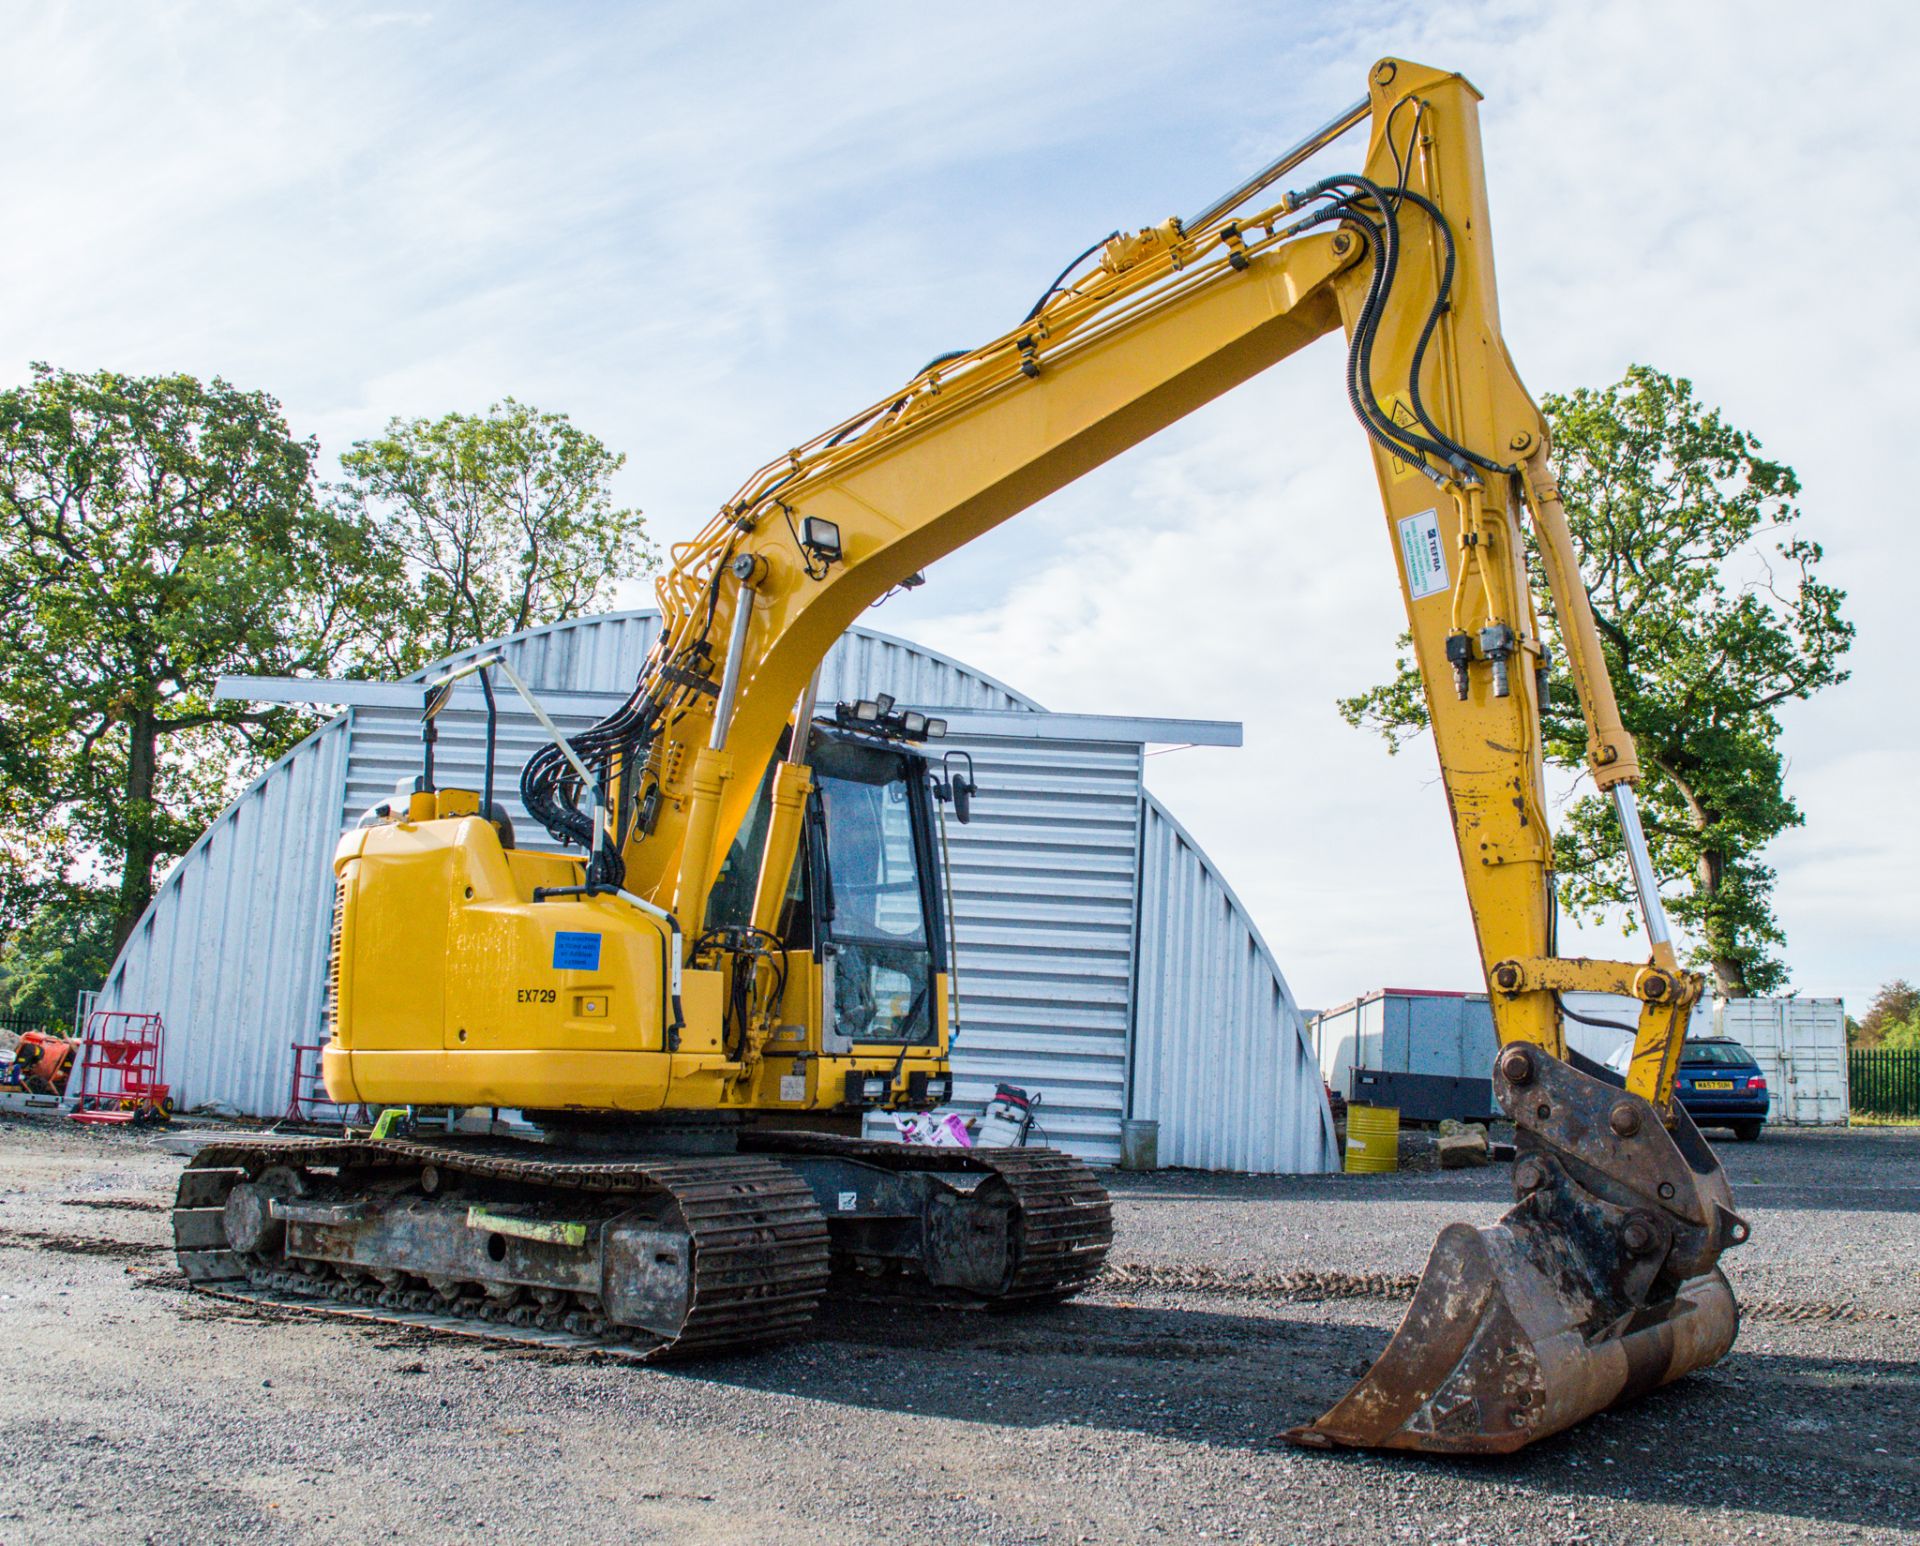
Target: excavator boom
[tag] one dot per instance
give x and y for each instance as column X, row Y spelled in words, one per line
column 1602, row 1280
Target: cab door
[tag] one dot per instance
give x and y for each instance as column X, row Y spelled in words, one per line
column 876, row 899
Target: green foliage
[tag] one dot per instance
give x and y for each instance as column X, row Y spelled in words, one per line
column 1711, row 616
column 65, row 945
column 1897, row 1003
column 500, row 521
column 159, row 532
column 1902, row 1035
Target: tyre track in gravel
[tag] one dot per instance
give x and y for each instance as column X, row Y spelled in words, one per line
column 1319, row 1287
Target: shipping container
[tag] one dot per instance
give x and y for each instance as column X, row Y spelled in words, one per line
column 1801, row 1046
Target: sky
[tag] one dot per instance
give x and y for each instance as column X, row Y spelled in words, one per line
column 708, row 231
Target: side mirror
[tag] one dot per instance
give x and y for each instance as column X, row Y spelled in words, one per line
column 959, row 788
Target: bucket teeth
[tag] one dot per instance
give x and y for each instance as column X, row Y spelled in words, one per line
column 1572, row 1303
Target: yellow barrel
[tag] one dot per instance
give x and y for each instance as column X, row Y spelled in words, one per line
column 1373, row 1138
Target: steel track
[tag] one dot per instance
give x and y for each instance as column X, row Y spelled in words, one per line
column 1063, row 1223
column 759, row 1245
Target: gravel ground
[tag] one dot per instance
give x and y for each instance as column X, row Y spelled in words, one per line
column 136, row 1411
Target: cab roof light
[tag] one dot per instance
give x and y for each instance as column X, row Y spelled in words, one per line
column 879, row 715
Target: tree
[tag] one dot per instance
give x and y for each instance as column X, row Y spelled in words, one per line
column 1711, row 617
column 502, row 521
column 1902, row 1035
column 1897, row 1003
column 159, row 532
column 66, row 944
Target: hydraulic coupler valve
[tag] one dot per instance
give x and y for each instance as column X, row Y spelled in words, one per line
column 1460, row 656
column 1496, row 644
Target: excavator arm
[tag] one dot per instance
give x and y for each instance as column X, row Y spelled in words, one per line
column 1399, row 257
column 1602, row 1279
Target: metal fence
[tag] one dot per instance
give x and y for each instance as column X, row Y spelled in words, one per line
column 1885, row 1084
column 19, row 1025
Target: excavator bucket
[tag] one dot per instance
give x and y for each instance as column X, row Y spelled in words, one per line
column 1598, row 1285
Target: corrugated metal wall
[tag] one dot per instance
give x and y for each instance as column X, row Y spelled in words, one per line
column 591, row 654
column 1220, row 1054
column 232, row 953
column 1043, row 900
column 1063, row 860
column 386, row 751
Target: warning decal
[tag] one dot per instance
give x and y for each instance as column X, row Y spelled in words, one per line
column 575, row 951
column 1400, row 412
column 1425, row 558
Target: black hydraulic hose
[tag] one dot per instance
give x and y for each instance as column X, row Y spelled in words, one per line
column 941, row 359
column 1443, row 299
column 1385, row 253
column 1600, row 1025
column 1344, row 212
column 1389, row 436
column 1054, row 288
column 1397, row 438
column 859, row 426
column 1444, row 445
column 1361, row 394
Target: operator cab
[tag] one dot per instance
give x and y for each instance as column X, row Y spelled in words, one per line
column 868, row 895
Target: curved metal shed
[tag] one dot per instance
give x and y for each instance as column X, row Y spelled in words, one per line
column 1103, row 959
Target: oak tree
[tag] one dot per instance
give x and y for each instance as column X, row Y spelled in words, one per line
column 156, row 533
column 1712, row 616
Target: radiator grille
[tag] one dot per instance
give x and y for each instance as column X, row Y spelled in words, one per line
column 333, row 955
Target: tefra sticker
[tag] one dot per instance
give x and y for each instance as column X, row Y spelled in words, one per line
column 575, row 951
column 1425, row 558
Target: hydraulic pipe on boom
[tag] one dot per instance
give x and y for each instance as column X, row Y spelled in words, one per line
column 1501, row 1345
column 1602, row 1281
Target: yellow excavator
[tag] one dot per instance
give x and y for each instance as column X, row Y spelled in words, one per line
column 746, row 950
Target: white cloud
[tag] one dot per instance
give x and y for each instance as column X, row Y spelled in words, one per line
column 707, row 231
column 1668, row 185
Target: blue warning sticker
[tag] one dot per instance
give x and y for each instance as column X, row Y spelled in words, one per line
column 576, row 952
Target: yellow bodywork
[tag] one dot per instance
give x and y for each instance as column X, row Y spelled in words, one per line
column 442, row 938
column 445, row 992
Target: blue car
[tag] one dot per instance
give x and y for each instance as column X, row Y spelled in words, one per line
column 1719, row 1083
